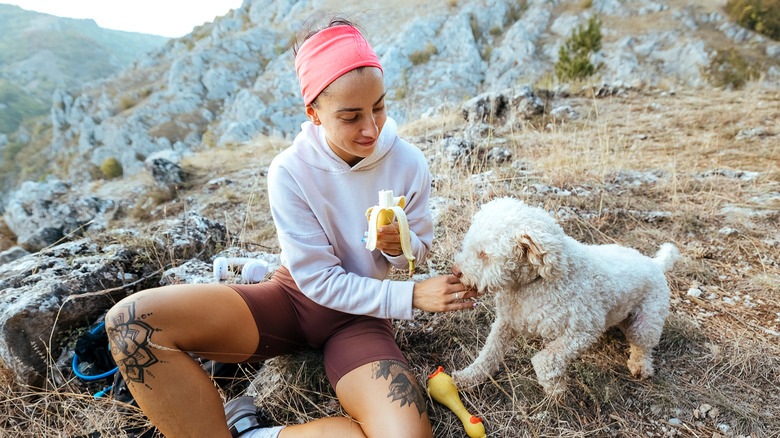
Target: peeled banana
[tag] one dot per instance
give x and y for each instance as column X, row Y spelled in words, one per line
column 390, row 207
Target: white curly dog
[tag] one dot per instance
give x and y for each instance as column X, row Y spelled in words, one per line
column 568, row 293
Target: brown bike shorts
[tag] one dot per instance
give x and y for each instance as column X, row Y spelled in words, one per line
column 287, row 320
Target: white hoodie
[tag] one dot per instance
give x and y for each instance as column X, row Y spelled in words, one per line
column 319, row 205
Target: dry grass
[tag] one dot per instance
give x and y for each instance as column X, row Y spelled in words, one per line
column 712, row 352
column 719, row 348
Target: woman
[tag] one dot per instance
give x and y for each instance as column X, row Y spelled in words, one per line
column 329, row 293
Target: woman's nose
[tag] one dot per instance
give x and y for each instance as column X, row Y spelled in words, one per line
column 369, row 128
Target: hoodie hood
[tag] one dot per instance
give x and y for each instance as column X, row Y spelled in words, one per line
column 311, row 147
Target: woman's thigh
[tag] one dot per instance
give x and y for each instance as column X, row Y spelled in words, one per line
column 385, row 399
column 210, row 320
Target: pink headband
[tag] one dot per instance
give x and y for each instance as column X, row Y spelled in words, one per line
column 329, row 54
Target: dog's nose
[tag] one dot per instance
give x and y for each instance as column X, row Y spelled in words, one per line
column 456, row 271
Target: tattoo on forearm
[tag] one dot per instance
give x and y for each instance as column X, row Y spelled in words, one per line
column 130, row 336
column 403, row 385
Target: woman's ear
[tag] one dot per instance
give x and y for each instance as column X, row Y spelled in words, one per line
column 311, row 113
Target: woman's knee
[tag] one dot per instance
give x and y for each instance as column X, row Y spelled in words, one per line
column 385, row 398
column 129, row 323
column 131, row 313
column 419, row 427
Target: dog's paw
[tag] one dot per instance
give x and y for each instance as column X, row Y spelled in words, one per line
column 465, row 379
column 554, row 388
column 641, row 369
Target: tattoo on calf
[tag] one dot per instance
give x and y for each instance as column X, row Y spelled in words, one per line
column 130, row 336
column 403, row 385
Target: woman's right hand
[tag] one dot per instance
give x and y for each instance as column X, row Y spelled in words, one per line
column 443, row 294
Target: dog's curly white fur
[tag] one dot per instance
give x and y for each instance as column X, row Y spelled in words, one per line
column 568, row 293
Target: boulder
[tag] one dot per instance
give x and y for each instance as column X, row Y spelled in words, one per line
column 455, row 150
column 46, row 297
column 507, row 108
column 192, row 271
column 41, row 214
column 165, row 168
column 12, row 254
column 36, row 310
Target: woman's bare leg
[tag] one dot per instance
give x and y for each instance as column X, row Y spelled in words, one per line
column 385, row 399
column 333, row 427
column 150, row 333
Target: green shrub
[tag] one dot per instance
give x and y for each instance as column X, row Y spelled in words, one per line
column 574, row 55
column 515, row 12
column 762, row 16
column 401, row 91
column 209, row 139
column 475, row 30
column 111, row 168
column 488, row 52
column 126, row 102
column 729, row 69
column 424, row 55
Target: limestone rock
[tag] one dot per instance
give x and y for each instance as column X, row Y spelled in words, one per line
column 12, row 254
column 504, row 108
column 44, row 296
column 192, row 271
column 36, row 311
column 165, row 168
column 42, row 214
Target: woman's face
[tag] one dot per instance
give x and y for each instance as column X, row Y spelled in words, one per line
column 352, row 112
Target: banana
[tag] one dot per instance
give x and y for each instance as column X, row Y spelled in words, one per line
column 390, row 207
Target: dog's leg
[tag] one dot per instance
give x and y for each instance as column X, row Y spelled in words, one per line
column 643, row 332
column 550, row 364
column 500, row 337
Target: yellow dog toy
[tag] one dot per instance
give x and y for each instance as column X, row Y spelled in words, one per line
column 443, row 390
column 390, row 207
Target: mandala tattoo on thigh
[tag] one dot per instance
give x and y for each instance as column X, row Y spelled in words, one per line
column 403, row 385
column 130, row 336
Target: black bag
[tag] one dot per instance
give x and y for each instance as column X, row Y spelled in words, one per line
column 93, row 353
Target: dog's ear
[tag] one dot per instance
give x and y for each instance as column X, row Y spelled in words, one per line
column 541, row 253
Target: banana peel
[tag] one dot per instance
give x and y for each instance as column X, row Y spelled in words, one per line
column 390, row 207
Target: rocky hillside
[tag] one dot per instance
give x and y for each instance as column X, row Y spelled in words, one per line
column 232, row 79
column 158, row 170
column 40, row 53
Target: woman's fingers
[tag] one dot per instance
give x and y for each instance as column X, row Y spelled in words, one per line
column 441, row 294
column 389, row 240
column 460, row 297
column 464, row 295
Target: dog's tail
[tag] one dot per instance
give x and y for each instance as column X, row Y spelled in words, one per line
column 666, row 256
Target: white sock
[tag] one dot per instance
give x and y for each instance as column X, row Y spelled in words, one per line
column 263, row 432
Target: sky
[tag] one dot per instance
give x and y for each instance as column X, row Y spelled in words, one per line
column 169, row 18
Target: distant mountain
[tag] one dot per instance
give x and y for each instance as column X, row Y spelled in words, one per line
column 40, row 53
